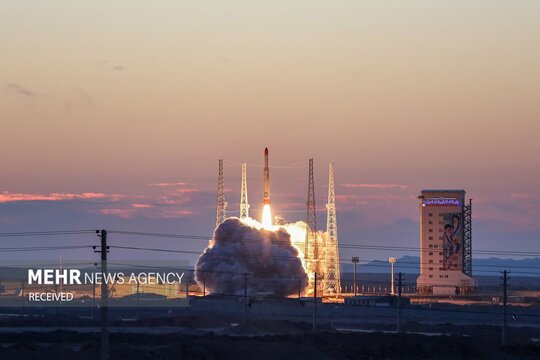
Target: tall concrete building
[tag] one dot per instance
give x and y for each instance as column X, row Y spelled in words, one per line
column 445, row 243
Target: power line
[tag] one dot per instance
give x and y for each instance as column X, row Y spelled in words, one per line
column 46, row 233
column 43, row 248
column 207, row 238
column 341, row 245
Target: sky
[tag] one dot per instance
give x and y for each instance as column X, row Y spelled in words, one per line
column 114, row 114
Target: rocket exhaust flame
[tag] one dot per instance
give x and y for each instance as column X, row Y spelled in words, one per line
column 275, row 263
column 266, row 217
column 270, row 259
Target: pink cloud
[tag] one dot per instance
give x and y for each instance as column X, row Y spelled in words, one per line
column 525, row 196
column 375, row 186
column 167, row 184
column 123, row 213
column 515, row 211
column 141, row 206
column 186, row 191
column 175, row 213
column 14, row 197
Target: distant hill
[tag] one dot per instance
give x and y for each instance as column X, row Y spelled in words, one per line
column 490, row 266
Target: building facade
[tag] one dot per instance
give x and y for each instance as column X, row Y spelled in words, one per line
column 445, row 243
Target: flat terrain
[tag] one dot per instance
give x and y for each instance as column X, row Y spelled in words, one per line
column 212, row 328
column 323, row 345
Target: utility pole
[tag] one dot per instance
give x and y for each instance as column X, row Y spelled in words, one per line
column 22, row 297
column 245, row 298
column 138, row 298
column 315, row 304
column 399, row 304
column 93, row 301
column 505, row 279
column 355, row 261
column 187, row 292
column 104, row 350
column 392, row 261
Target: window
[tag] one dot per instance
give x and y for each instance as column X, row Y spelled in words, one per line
column 431, row 238
column 430, row 253
column 430, row 276
column 430, row 230
column 430, row 214
column 440, row 230
column 430, row 268
column 431, row 261
column 440, row 237
column 430, row 222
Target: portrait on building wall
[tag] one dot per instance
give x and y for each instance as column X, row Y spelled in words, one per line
column 452, row 241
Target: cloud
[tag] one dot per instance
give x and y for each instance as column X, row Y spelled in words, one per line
column 15, row 197
column 123, row 213
column 375, row 186
column 21, row 90
column 141, row 206
column 167, row 184
column 517, row 211
column 119, row 67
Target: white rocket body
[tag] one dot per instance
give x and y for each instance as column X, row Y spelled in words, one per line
column 266, row 179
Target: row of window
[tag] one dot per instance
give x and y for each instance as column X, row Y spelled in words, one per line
column 440, row 276
column 431, row 222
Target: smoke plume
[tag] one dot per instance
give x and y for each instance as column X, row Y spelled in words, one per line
column 268, row 258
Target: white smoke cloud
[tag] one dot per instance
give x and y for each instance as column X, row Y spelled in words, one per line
column 268, row 257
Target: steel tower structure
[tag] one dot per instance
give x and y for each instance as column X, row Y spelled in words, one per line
column 311, row 251
column 332, row 284
column 244, row 205
column 467, row 238
column 221, row 212
column 311, row 216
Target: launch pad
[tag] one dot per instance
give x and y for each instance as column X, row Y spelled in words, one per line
column 318, row 250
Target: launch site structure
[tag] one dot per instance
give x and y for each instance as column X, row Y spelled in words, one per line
column 244, row 205
column 221, row 212
column 312, row 255
column 321, row 249
column 332, row 283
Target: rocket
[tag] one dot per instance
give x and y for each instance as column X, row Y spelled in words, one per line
column 266, row 179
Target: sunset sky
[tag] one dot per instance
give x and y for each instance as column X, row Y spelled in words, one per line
column 114, row 113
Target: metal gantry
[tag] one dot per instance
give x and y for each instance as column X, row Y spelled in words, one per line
column 310, row 247
column 244, row 205
column 332, row 283
column 221, row 212
column 467, row 239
